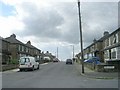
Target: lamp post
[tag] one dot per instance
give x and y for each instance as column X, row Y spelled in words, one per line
column 81, row 40
column 57, row 52
column 73, row 50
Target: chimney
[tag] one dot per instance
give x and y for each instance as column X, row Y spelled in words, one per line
column 13, row 36
column 47, row 52
column 94, row 40
column 106, row 33
column 29, row 42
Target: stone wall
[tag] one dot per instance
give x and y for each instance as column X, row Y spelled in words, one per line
column 102, row 67
column 9, row 67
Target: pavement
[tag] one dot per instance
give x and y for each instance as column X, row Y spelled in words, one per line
column 94, row 74
column 17, row 69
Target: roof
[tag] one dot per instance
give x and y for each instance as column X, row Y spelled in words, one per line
column 29, row 45
column 115, row 31
column 99, row 40
column 13, row 40
column 1, row 38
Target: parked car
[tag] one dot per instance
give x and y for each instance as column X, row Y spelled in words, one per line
column 69, row 61
column 46, row 59
column 95, row 60
column 27, row 62
column 55, row 60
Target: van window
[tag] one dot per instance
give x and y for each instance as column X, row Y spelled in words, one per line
column 24, row 60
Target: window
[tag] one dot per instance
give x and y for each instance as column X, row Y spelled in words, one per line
column 113, row 53
column 19, row 47
column 118, row 53
column 115, row 38
column 109, row 41
column 106, row 55
column 26, row 49
column 90, row 55
column 22, row 48
column 85, row 56
column 24, row 60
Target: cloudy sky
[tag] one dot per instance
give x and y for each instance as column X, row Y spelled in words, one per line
column 49, row 24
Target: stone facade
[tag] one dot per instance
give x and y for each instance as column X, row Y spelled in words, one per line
column 17, row 49
column 112, row 47
column 5, row 53
column 106, row 48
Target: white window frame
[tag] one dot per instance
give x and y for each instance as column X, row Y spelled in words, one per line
column 110, row 41
column 114, row 39
column 118, row 52
column 26, row 49
column 19, row 47
column 22, row 48
column 114, row 50
column 107, row 51
column 117, row 38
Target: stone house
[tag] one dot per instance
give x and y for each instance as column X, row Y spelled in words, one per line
column 111, row 47
column 107, row 48
column 33, row 51
column 5, row 53
column 95, row 49
column 17, row 48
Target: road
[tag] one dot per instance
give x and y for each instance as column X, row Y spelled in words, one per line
column 54, row 75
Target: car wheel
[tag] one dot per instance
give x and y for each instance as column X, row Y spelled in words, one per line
column 38, row 67
column 33, row 68
column 21, row 70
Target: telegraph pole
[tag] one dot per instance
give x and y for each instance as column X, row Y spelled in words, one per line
column 81, row 40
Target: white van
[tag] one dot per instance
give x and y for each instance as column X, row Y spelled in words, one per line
column 28, row 63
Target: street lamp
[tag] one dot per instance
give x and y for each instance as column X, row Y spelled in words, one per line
column 57, row 52
column 81, row 40
column 73, row 50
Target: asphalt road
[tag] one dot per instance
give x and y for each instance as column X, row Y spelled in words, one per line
column 53, row 75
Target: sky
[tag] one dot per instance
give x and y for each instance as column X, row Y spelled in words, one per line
column 49, row 24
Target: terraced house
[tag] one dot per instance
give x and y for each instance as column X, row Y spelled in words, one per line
column 16, row 47
column 19, row 49
column 107, row 48
column 112, row 47
column 5, row 53
column 32, row 51
column 95, row 49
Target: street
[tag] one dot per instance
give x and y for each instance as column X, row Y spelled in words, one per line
column 53, row 75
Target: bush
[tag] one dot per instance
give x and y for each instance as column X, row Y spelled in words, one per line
column 14, row 61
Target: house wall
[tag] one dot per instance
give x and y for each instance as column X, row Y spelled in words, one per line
column 108, row 48
column 112, row 47
column 5, row 54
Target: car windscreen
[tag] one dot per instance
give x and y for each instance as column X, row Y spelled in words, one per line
column 69, row 60
column 24, row 60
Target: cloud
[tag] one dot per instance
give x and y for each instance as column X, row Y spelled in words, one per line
column 60, row 21
column 52, row 24
column 98, row 17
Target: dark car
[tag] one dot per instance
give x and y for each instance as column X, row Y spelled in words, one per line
column 69, row 61
column 95, row 60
